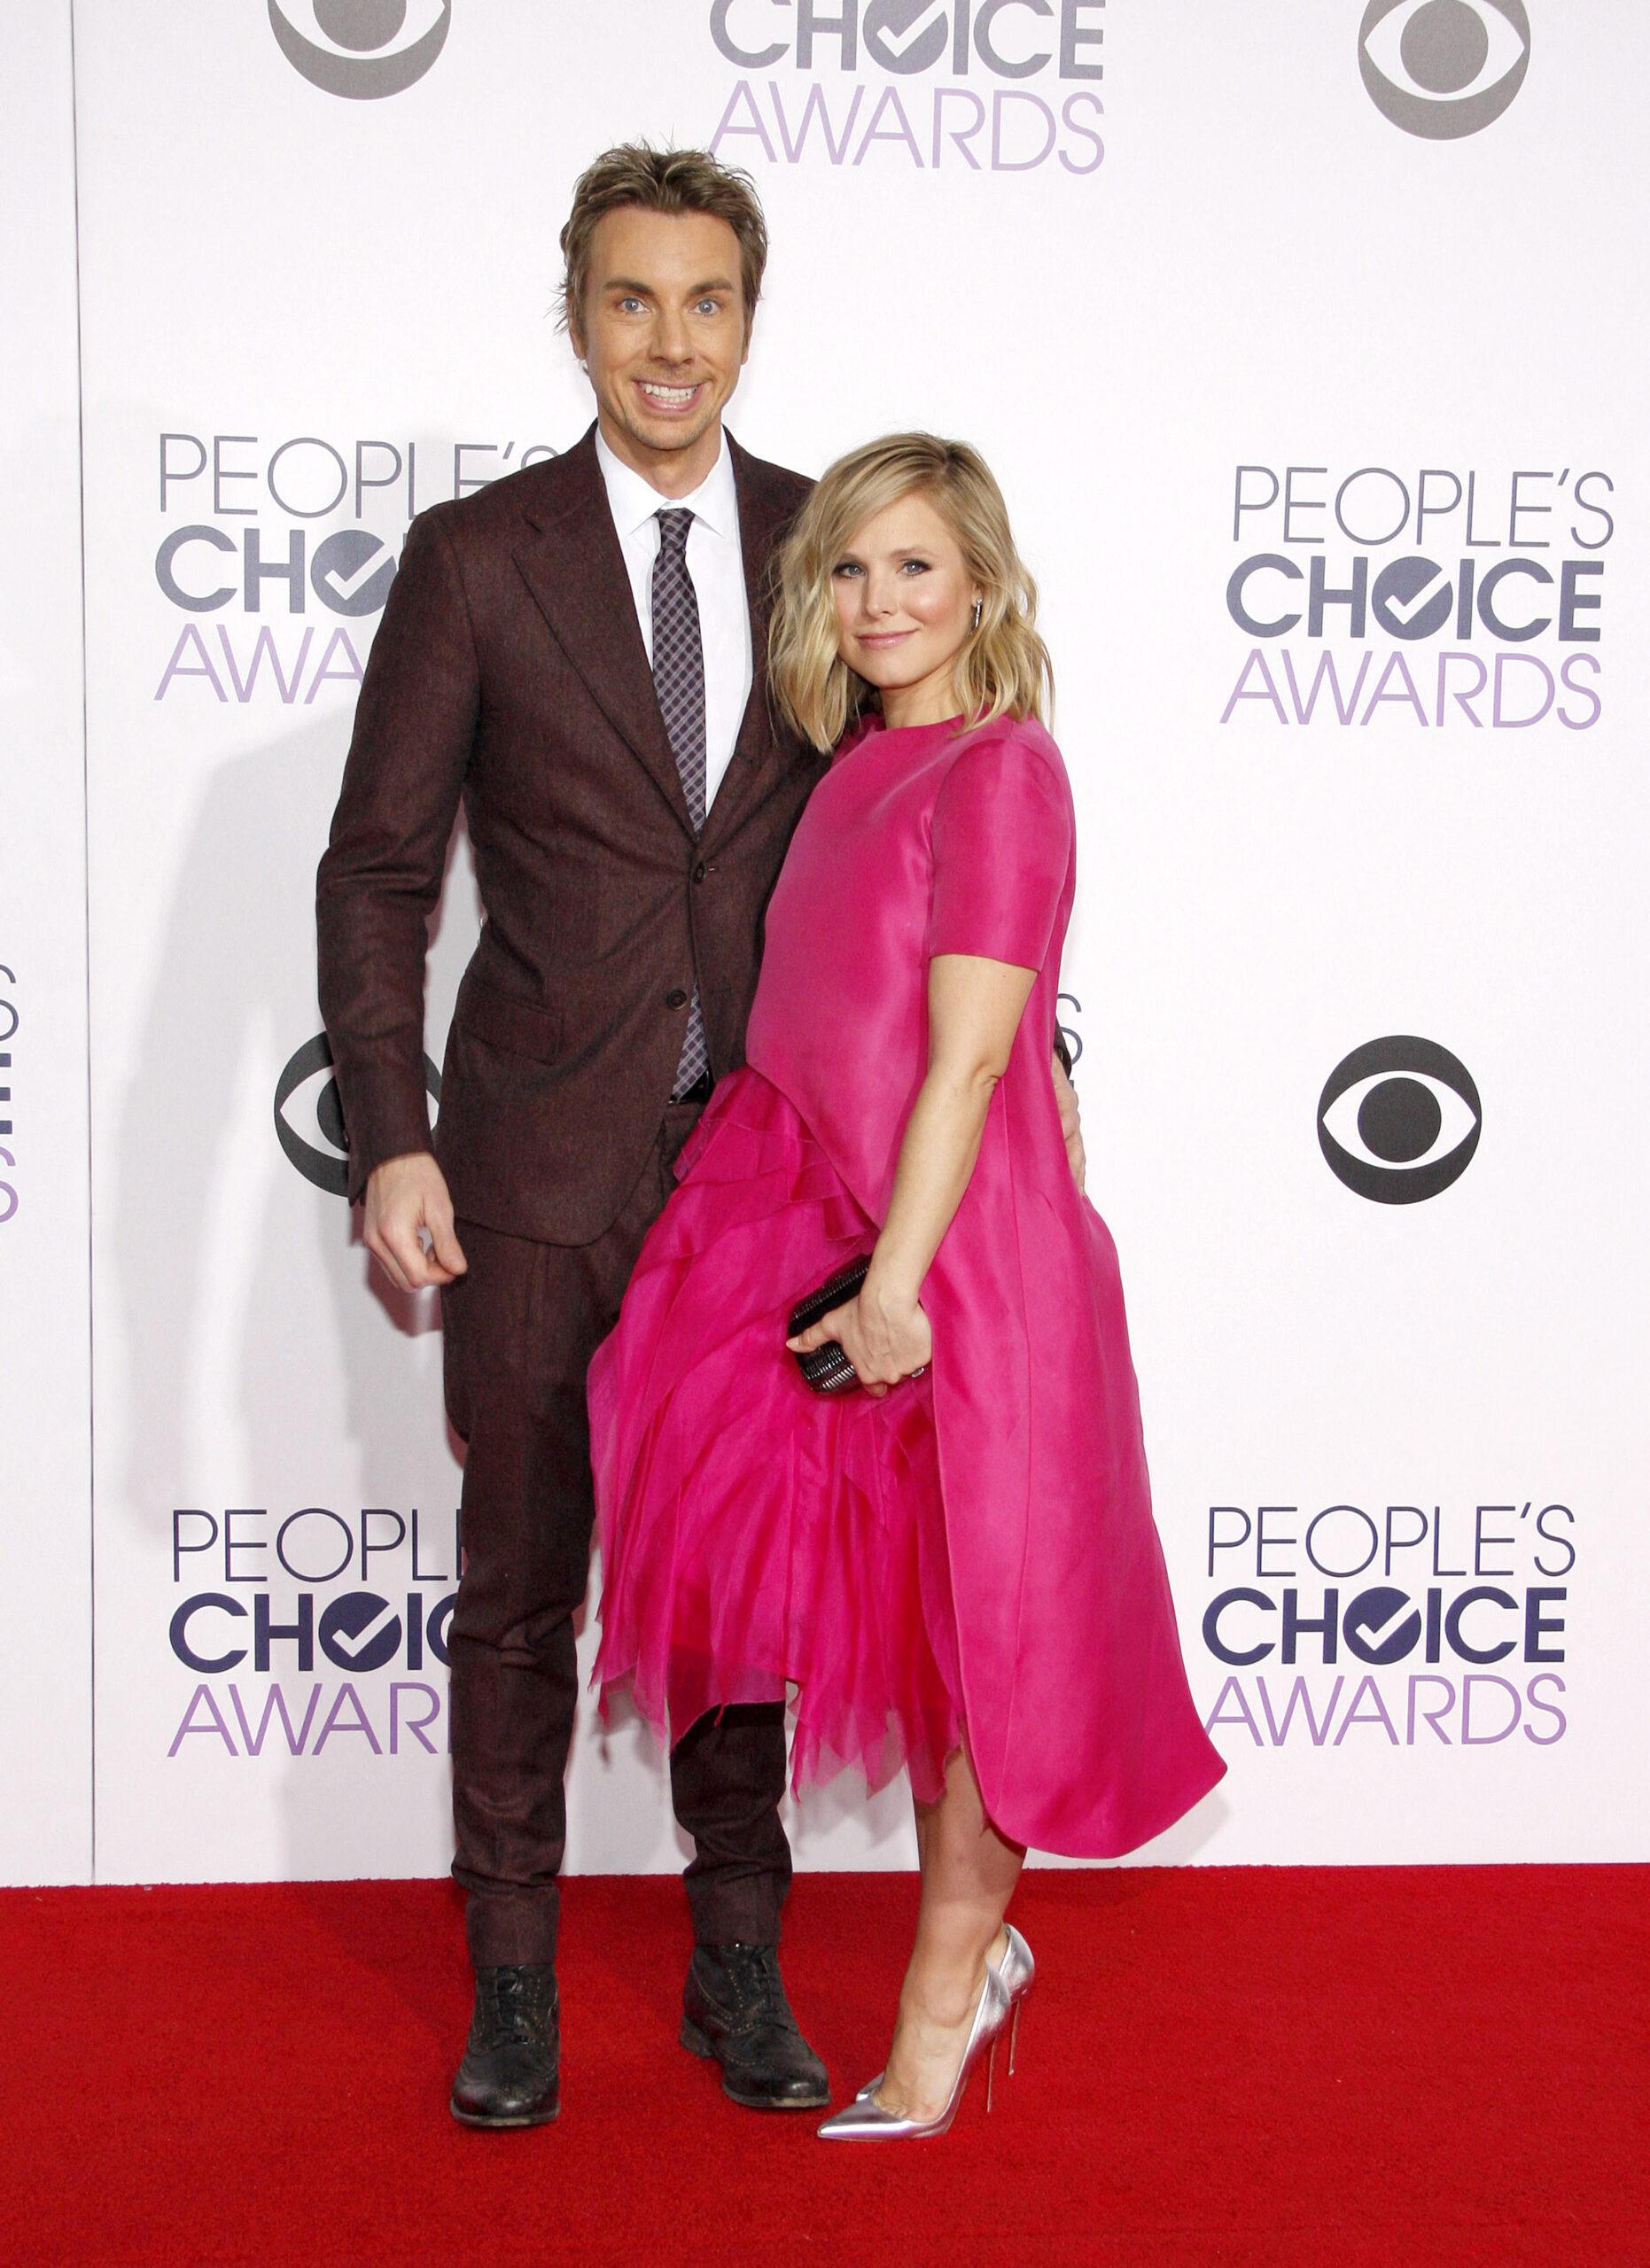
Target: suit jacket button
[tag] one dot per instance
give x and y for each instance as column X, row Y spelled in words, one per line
column 699, row 871
column 676, row 999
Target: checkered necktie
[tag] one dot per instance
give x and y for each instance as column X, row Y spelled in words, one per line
column 679, row 677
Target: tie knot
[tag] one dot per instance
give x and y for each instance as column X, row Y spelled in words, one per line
column 673, row 526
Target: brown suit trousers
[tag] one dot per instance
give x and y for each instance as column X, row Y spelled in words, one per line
column 521, row 1327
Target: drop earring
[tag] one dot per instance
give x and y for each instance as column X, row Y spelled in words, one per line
column 978, row 609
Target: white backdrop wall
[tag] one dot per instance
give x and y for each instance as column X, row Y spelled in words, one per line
column 45, row 1376
column 1305, row 338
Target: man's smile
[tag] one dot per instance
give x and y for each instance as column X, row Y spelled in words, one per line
column 658, row 396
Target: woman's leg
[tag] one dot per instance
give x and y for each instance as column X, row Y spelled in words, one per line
column 968, row 1876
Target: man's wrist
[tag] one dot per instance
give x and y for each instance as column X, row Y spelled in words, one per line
column 384, row 1177
column 400, row 1158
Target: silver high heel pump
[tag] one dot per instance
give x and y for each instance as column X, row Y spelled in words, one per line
column 1006, row 1985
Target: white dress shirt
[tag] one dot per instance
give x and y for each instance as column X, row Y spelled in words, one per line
column 716, row 564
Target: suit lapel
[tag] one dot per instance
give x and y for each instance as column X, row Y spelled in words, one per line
column 761, row 515
column 568, row 555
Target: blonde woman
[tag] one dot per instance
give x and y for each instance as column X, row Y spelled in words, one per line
column 954, row 1562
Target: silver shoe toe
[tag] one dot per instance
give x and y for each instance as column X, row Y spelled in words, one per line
column 865, row 2120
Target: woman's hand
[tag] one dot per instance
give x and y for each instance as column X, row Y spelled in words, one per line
column 885, row 1338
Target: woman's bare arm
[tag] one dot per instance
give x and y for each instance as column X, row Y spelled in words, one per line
column 974, row 1010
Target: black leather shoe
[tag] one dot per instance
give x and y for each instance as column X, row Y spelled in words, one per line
column 735, row 2011
column 510, row 2075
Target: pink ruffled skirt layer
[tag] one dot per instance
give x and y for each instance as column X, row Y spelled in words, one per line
column 756, row 1536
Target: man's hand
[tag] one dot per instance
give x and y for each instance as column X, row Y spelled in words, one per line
column 1070, row 1123
column 406, row 1201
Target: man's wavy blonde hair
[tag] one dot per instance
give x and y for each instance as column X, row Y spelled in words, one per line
column 1003, row 668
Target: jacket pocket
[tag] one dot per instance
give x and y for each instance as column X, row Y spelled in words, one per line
column 503, row 1019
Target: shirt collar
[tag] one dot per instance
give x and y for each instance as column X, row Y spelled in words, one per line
column 634, row 500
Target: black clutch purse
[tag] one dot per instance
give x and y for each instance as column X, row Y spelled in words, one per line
column 827, row 1368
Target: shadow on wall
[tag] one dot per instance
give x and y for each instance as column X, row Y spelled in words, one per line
column 234, row 996
column 269, row 1363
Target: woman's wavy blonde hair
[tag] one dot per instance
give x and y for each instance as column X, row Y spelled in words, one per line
column 1003, row 668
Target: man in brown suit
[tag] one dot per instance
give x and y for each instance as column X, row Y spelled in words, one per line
column 576, row 653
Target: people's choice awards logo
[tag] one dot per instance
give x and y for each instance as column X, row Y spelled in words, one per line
column 977, row 86
column 1440, row 1623
column 1442, row 68
column 354, row 1654
column 361, row 49
column 1417, row 595
column 1398, row 1120
column 306, row 1083
column 274, row 534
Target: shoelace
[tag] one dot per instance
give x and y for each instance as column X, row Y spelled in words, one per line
column 752, row 1971
column 518, row 2007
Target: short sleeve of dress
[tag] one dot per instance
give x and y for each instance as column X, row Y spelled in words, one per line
column 1002, row 845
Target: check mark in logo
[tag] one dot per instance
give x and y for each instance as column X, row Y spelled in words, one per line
column 1378, row 1633
column 346, row 586
column 352, row 571
column 1390, row 1638
column 352, row 1647
column 894, row 29
column 1404, row 610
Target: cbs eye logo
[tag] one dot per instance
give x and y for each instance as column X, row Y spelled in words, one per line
column 1442, row 68
column 1400, row 1120
column 322, row 1113
column 362, row 49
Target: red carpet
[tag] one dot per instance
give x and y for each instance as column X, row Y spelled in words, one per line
column 1313, row 2068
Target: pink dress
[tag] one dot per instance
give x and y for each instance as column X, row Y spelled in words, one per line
column 977, row 1548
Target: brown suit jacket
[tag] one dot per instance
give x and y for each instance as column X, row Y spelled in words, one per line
column 509, row 671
